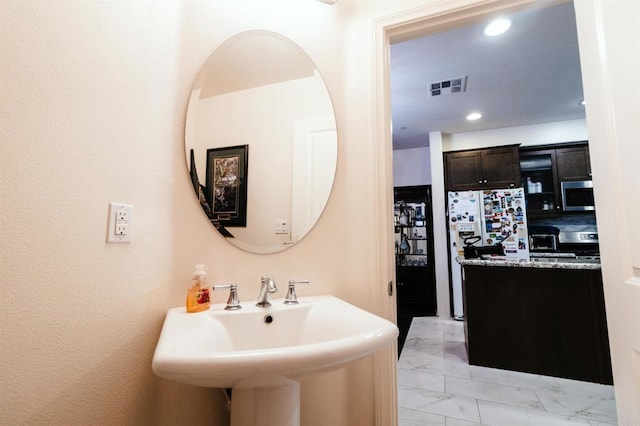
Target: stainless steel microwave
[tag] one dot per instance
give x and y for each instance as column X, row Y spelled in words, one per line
column 577, row 196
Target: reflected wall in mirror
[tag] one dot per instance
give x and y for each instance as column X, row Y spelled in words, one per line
column 260, row 91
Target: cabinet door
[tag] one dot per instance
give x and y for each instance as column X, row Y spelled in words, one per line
column 463, row 170
column 539, row 166
column 573, row 163
column 410, row 286
column 416, row 291
column 500, row 167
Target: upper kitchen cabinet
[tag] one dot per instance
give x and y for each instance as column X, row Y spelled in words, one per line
column 573, row 163
column 482, row 168
column 540, row 182
column 544, row 168
column 463, row 170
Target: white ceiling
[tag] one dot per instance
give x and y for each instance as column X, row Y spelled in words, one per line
column 528, row 75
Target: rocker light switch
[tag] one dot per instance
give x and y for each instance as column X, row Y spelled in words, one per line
column 282, row 227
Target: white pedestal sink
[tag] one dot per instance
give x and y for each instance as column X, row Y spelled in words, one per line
column 260, row 352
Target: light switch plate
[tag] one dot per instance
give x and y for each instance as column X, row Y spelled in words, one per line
column 120, row 223
column 282, row 226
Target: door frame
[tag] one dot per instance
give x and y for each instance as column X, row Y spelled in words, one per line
column 436, row 17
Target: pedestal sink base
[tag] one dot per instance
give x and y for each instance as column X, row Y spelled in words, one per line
column 271, row 405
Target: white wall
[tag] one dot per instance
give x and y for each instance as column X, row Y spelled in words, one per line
column 412, row 167
column 439, row 210
column 93, row 101
column 536, row 134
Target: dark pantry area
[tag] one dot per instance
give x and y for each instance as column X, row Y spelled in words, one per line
column 414, row 257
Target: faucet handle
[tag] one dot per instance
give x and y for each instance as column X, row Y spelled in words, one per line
column 292, row 298
column 233, row 302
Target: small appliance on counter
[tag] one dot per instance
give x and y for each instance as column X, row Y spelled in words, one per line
column 474, row 252
column 543, row 238
column 572, row 246
column 584, row 244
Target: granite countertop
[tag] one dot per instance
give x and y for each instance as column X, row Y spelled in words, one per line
column 545, row 263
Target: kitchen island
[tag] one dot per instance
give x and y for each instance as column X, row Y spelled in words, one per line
column 543, row 316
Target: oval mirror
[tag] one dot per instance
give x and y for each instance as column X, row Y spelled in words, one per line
column 261, row 141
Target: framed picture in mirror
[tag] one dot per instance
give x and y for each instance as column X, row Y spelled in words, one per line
column 226, row 185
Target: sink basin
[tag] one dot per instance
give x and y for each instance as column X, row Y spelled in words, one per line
column 259, row 347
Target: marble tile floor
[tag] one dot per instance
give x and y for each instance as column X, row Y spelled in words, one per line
column 437, row 387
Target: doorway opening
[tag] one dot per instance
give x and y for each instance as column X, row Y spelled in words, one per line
column 526, row 82
column 448, row 133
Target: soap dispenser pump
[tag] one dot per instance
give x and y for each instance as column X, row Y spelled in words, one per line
column 198, row 294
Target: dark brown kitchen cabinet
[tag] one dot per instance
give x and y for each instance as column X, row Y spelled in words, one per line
column 544, row 168
column 540, row 181
column 416, row 290
column 573, row 163
column 463, row 170
column 482, row 168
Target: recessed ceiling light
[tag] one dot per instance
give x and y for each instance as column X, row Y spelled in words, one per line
column 497, row 27
column 474, row 116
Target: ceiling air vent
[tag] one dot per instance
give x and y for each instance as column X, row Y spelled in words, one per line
column 445, row 87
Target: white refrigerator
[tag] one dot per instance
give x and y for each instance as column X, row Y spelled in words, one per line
column 487, row 217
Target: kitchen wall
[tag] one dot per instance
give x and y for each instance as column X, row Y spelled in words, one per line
column 93, row 101
column 412, row 167
column 535, row 134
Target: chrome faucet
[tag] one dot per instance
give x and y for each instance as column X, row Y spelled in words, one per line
column 267, row 285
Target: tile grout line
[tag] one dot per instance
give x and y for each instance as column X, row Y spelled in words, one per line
column 479, row 412
column 501, row 379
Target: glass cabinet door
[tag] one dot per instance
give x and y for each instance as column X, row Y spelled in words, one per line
column 539, row 180
column 411, row 246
